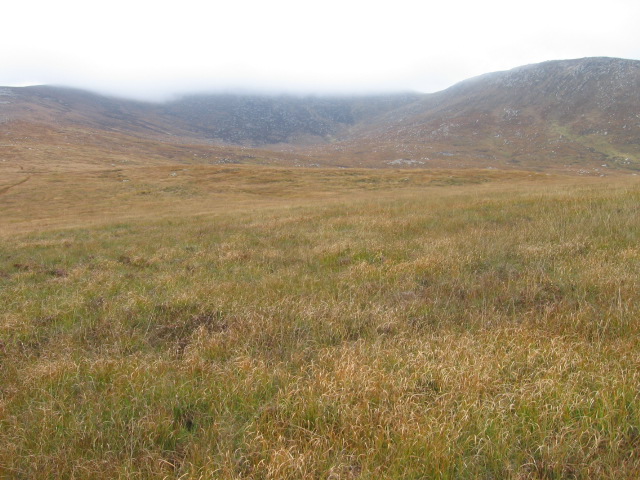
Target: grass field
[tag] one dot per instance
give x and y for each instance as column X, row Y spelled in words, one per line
column 237, row 322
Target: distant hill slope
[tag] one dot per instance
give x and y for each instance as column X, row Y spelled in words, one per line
column 573, row 112
column 575, row 115
column 250, row 120
column 266, row 120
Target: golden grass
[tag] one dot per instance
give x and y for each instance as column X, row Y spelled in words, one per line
column 54, row 199
column 278, row 323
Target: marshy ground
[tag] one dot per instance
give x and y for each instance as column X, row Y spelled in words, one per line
column 249, row 322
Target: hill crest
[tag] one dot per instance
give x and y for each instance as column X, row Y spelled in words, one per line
column 573, row 114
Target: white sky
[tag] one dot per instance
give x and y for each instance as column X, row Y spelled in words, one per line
column 151, row 49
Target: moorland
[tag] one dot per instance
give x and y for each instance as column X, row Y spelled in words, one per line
column 183, row 309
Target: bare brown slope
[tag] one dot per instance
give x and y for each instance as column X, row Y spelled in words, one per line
column 69, row 128
column 574, row 114
column 51, row 128
column 252, row 120
column 580, row 116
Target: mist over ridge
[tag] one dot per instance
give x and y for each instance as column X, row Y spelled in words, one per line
column 566, row 113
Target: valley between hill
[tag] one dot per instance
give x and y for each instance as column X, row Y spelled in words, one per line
column 571, row 116
column 184, row 298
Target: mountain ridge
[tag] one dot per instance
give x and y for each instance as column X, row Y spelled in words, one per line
column 566, row 114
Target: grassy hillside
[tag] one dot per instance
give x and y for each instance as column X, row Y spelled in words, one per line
column 271, row 323
column 571, row 116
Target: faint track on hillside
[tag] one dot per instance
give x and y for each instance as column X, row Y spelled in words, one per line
column 4, row 190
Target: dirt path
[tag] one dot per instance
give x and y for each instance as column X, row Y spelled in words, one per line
column 4, row 190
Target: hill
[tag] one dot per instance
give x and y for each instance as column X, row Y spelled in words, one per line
column 573, row 115
column 256, row 120
column 166, row 318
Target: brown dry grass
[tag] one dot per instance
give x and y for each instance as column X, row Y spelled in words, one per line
column 280, row 323
column 53, row 199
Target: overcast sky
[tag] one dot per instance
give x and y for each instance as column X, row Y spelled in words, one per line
column 152, row 49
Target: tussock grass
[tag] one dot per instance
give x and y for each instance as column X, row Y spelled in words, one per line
column 488, row 330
